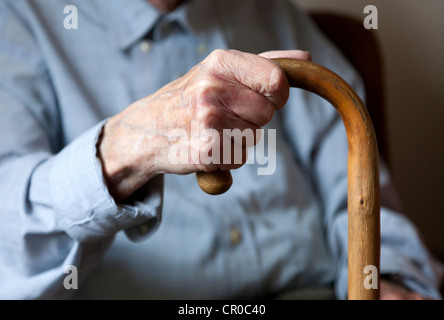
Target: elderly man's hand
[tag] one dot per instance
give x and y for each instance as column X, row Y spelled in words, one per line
column 227, row 90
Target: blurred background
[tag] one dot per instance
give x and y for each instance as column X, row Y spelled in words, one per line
column 411, row 37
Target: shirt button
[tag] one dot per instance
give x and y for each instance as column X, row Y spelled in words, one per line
column 235, row 236
column 145, row 46
column 201, row 49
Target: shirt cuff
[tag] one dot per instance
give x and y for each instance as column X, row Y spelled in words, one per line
column 409, row 273
column 85, row 210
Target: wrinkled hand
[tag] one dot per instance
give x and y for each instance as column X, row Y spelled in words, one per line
column 227, row 90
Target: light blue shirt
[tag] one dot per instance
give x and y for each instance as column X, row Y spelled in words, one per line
column 266, row 235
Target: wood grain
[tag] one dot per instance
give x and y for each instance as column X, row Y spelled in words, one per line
column 363, row 169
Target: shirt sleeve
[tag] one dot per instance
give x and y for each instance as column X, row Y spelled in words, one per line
column 319, row 139
column 56, row 209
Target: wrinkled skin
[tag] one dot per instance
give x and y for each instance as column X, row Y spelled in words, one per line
column 227, row 90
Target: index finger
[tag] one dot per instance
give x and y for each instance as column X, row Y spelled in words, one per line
column 253, row 72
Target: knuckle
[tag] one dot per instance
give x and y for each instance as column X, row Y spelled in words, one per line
column 277, row 78
column 217, row 55
column 278, row 86
column 220, row 61
column 205, row 91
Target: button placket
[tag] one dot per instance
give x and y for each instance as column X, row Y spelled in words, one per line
column 235, row 236
column 201, row 49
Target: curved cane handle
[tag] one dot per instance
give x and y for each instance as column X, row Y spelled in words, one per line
column 363, row 170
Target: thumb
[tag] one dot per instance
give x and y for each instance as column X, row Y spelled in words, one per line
column 295, row 54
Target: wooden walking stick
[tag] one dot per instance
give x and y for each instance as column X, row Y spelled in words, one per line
column 363, row 171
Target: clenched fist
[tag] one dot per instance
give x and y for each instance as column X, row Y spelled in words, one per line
column 227, row 90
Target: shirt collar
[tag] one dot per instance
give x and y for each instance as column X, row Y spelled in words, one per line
column 126, row 21
column 201, row 19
